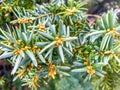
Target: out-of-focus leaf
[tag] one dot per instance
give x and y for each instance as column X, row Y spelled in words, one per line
column 6, row 55
column 32, row 57
column 18, row 61
column 60, row 50
column 79, row 70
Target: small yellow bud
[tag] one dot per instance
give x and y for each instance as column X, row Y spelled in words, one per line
column 85, row 63
column 90, row 70
column 58, row 41
column 41, row 27
column 71, row 11
column 52, row 71
column 111, row 52
column 16, row 51
column 108, row 30
column 24, row 20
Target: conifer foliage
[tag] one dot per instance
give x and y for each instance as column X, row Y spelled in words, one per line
column 55, row 40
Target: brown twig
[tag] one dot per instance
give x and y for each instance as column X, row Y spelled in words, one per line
column 93, row 15
column 40, row 16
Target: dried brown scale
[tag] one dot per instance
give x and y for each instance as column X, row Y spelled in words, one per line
column 39, row 67
column 29, row 67
column 37, row 58
column 11, row 44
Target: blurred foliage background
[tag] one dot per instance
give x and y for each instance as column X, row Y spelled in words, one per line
column 95, row 7
column 100, row 6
